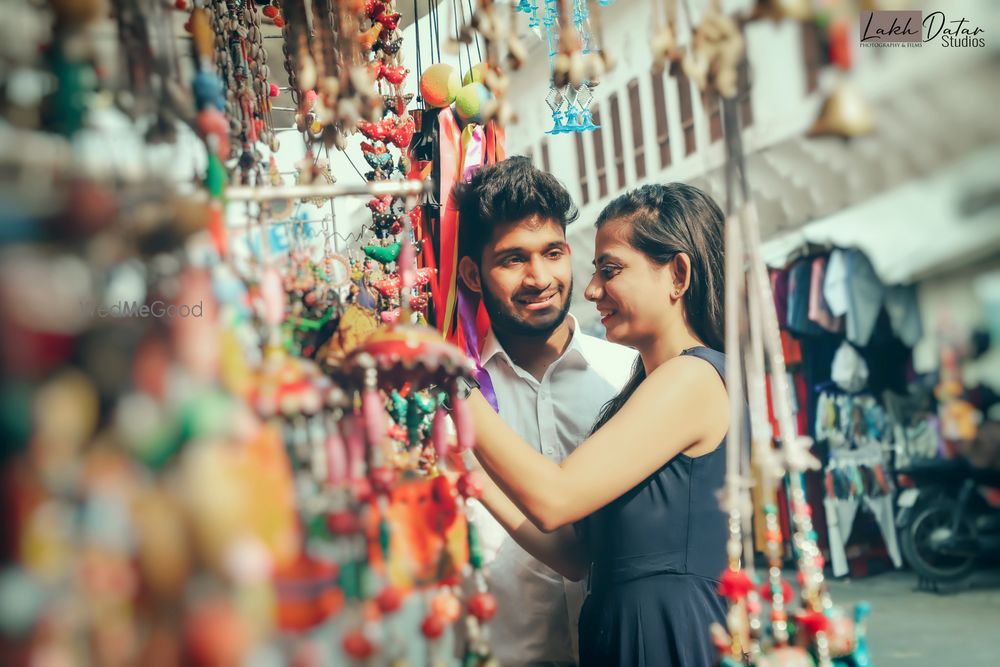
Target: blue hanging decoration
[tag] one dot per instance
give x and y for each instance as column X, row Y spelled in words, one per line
column 570, row 105
column 533, row 21
column 557, row 102
column 526, row 7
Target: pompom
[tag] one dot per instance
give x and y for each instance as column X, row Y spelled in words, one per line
column 439, row 85
column 475, row 75
column 470, row 101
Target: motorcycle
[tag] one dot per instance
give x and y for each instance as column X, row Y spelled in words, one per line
column 944, row 519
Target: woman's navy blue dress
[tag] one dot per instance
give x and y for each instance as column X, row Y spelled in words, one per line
column 657, row 553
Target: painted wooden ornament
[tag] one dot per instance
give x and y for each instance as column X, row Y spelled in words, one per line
column 384, row 254
column 389, row 286
column 402, row 134
column 376, row 155
column 389, row 47
column 374, row 7
column 388, row 20
column 376, row 131
column 394, row 75
column 367, row 38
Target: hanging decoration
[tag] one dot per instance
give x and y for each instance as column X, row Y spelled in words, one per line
column 812, row 631
column 576, row 63
column 268, row 460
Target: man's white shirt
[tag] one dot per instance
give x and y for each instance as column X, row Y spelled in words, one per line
column 536, row 623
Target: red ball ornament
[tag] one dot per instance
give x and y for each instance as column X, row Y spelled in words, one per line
column 469, row 485
column 389, row 600
column 270, row 11
column 181, row 4
column 483, row 606
column 273, row 91
column 735, row 585
column 813, row 622
column 279, row 22
column 356, row 645
column 446, row 606
column 433, row 626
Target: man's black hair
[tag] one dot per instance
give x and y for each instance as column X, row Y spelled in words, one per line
column 504, row 193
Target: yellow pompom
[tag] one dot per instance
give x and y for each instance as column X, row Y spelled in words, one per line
column 470, row 101
column 475, row 75
column 439, row 85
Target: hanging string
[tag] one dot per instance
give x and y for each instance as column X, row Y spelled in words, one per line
column 479, row 52
column 454, row 19
column 436, row 38
column 416, row 30
column 333, row 209
column 468, row 50
column 347, row 155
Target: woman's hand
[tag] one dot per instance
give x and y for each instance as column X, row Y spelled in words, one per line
column 682, row 407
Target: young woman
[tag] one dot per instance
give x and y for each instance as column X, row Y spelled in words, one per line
column 635, row 506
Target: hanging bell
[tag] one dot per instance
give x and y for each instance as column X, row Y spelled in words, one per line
column 845, row 113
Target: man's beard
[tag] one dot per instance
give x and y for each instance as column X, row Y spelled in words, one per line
column 503, row 320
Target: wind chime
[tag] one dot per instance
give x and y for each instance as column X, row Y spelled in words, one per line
column 576, row 61
column 765, row 626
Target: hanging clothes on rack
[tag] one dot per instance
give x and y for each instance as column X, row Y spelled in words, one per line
column 852, row 288
column 819, row 309
column 857, row 479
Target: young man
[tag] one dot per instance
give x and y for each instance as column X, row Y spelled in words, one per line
column 550, row 380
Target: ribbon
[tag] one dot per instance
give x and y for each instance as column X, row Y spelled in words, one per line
column 450, row 170
column 468, row 306
column 473, row 140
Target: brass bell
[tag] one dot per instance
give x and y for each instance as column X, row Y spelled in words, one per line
column 846, row 113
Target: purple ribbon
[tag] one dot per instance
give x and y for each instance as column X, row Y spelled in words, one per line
column 468, row 304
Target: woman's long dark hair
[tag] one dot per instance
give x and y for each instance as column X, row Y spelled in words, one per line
column 666, row 220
